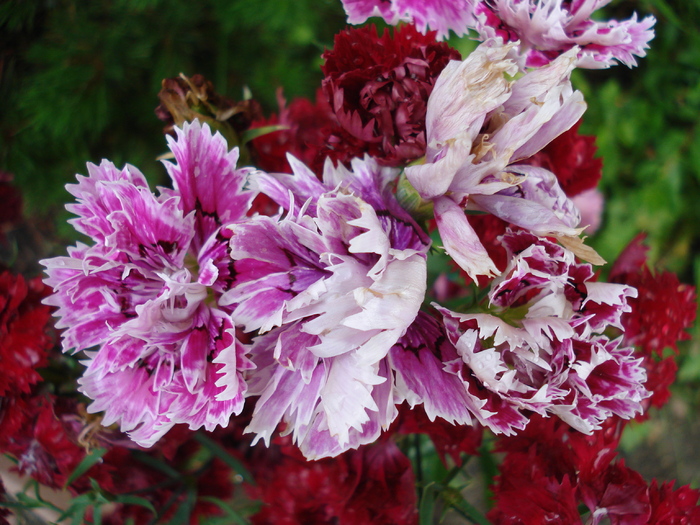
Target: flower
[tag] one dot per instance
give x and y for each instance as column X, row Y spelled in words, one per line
column 479, row 126
column 378, row 88
column 660, row 314
column 541, row 349
column 24, row 340
column 146, row 293
column 438, row 15
column 307, row 126
column 547, row 28
column 374, row 484
column 338, row 281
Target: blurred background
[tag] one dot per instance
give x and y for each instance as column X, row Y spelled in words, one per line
column 79, row 82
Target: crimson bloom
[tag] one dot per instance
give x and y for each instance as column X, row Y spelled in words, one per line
column 374, row 484
column 24, row 341
column 378, row 88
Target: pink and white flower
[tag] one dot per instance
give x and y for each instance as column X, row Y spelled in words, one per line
column 337, row 280
column 146, row 293
column 541, row 347
column 547, row 28
column 479, row 126
column 436, row 15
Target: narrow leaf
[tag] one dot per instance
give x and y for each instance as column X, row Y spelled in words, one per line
column 221, row 453
column 87, row 462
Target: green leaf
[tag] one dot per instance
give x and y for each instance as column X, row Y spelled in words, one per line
column 259, row 132
column 426, row 508
column 155, row 463
column 454, row 499
column 87, row 462
column 184, row 511
column 232, row 515
column 135, row 500
column 221, row 453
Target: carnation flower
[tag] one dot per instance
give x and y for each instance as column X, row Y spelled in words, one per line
column 378, row 88
column 547, row 28
column 372, row 485
column 438, row 15
column 339, row 278
column 661, row 313
column 541, row 348
column 307, row 125
column 24, row 341
column 146, row 292
column 479, row 126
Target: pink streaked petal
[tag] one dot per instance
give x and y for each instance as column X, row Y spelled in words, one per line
column 206, row 178
column 206, row 407
column 460, row 240
column 318, row 441
column 127, row 397
column 153, row 231
column 421, row 377
column 96, row 196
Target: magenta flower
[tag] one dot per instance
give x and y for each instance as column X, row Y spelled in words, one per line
column 547, row 28
column 338, row 280
column 436, row 15
column 145, row 295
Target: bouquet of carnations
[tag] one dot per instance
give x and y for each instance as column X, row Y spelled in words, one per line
column 323, row 300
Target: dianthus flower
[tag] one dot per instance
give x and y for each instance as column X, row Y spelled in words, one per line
column 146, row 292
column 479, row 126
column 541, row 348
column 374, row 484
column 378, row 88
column 339, row 278
column 547, row 28
column 24, row 341
column 438, row 15
column 306, row 127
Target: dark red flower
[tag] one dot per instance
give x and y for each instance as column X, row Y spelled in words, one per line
column 664, row 307
column 4, row 512
column 524, row 495
column 306, row 135
column 378, row 88
column 571, row 158
column 38, row 439
column 673, row 507
column 662, row 311
column 372, row 485
column 24, row 340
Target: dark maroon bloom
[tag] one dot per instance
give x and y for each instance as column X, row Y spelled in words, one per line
column 570, row 157
column 673, row 507
column 373, row 485
column 307, row 124
column 378, row 88
column 661, row 313
column 24, row 340
column 37, row 438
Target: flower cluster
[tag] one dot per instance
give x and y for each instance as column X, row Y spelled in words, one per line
column 331, row 287
column 296, row 295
